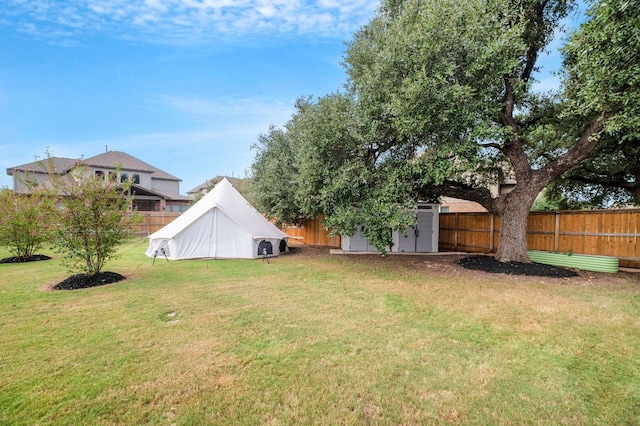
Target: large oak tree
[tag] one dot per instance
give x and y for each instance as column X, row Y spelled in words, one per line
column 440, row 101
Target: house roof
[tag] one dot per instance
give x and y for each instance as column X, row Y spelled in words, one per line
column 60, row 165
column 217, row 179
column 107, row 160
column 167, row 195
column 113, row 159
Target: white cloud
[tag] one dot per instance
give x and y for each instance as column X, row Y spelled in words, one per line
column 185, row 21
column 232, row 110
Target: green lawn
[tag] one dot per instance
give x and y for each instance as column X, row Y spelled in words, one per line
column 316, row 339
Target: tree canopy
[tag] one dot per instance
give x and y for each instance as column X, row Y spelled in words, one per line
column 602, row 70
column 440, row 101
column 90, row 218
column 24, row 228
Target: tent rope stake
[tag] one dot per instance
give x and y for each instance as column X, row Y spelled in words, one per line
column 155, row 254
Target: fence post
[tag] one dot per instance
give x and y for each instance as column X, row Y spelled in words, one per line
column 556, row 233
column 491, row 231
column 455, row 234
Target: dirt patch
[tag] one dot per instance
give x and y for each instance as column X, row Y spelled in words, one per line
column 79, row 281
column 450, row 264
column 490, row 264
column 21, row 259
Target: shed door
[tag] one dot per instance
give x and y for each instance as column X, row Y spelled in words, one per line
column 424, row 241
column 358, row 242
column 419, row 239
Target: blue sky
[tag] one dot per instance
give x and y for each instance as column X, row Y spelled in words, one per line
column 185, row 85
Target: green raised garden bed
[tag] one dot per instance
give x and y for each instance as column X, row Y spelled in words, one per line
column 579, row 261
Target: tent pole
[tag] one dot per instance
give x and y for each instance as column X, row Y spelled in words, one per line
column 214, row 231
column 213, row 225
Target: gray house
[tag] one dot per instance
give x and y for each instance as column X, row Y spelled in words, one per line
column 153, row 189
column 205, row 187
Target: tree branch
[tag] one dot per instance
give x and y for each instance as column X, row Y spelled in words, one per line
column 491, row 145
column 467, row 192
column 513, row 148
column 581, row 150
column 607, row 181
column 536, row 43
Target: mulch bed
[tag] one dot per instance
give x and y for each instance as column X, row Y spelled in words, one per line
column 489, row 264
column 79, row 281
column 20, row 259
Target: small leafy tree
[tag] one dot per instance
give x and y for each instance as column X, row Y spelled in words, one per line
column 91, row 219
column 23, row 223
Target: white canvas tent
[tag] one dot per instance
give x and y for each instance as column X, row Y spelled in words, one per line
column 222, row 225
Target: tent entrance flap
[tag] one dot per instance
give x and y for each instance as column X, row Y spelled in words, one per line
column 264, row 248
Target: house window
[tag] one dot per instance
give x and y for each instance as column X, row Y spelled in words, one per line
column 444, row 209
column 124, row 177
column 113, row 176
column 99, row 174
column 136, row 178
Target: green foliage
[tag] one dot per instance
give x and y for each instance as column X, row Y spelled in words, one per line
column 543, row 203
column 24, row 225
column 90, row 217
column 319, row 165
column 610, row 178
column 439, row 102
column 272, row 186
column 601, row 68
column 602, row 75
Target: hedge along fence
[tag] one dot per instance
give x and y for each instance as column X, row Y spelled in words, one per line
column 594, row 232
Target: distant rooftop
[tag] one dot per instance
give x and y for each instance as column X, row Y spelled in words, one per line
column 59, row 164
column 234, row 181
column 107, row 160
column 112, row 159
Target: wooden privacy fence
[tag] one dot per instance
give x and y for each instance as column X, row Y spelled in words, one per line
column 309, row 232
column 153, row 221
column 312, row 232
column 596, row 232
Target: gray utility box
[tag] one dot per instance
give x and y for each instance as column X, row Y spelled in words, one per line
column 423, row 238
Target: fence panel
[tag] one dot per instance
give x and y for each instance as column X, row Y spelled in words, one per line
column 597, row 232
column 153, row 221
column 313, row 233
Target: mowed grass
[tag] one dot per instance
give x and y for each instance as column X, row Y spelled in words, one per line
column 310, row 338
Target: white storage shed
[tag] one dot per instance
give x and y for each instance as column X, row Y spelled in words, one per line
column 421, row 238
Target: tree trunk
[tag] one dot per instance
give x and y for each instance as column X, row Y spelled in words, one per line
column 513, row 225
